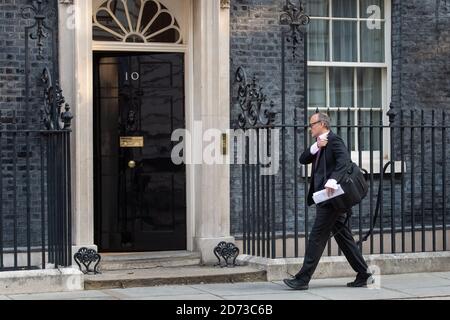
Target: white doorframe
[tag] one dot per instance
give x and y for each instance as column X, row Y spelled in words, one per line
column 207, row 73
column 83, row 213
column 82, row 102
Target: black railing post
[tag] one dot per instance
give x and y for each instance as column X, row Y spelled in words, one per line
column 349, row 147
column 422, row 175
column 273, row 235
column 329, row 239
column 359, row 132
column 15, row 197
column 253, row 201
column 381, row 195
column 295, row 162
column 413, row 184
column 402, row 192
column 258, row 194
column 69, row 199
column 433, row 178
column 283, row 138
column 306, row 183
column 294, row 16
column 268, row 210
column 392, row 115
column 67, row 119
column 263, row 191
column 339, row 133
column 43, row 198
column 63, row 181
column 1, row 199
column 249, row 222
column 444, row 179
column 305, row 111
column 371, row 181
column 244, row 207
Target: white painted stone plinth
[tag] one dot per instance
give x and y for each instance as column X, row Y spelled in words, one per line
column 206, row 248
column 40, row 281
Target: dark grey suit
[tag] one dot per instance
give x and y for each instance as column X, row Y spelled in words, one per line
column 336, row 158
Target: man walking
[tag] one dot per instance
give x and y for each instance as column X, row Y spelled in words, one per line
column 336, row 159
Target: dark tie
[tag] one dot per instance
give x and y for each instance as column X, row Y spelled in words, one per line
column 317, row 156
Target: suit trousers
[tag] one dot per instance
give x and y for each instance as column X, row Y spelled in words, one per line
column 326, row 222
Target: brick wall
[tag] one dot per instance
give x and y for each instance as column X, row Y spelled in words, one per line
column 17, row 177
column 421, row 54
column 420, row 79
column 256, row 45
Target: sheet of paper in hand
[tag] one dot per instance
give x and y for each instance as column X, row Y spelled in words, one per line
column 321, row 196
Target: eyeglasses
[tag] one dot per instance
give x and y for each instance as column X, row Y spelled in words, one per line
column 312, row 124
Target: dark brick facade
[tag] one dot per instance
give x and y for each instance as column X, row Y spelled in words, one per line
column 13, row 112
column 420, row 81
column 421, row 54
column 256, row 45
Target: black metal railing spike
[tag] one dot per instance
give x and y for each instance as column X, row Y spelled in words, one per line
column 391, row 114
column 67, row 117
column 255, row 111
column 295, row 17
column 39, row 11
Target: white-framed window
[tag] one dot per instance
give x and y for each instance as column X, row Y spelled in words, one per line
column 349, row 64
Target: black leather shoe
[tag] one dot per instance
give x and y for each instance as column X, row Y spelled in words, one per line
column 361, row 281
column 296, row 284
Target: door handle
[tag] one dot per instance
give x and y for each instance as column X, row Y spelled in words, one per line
column 131, row 164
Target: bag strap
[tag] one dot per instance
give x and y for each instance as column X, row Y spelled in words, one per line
column 325, row 163
column 349, row 212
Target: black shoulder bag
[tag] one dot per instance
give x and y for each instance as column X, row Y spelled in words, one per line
column 354, row 185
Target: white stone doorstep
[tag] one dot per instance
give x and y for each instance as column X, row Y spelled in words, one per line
column 338, row 267
column 41, row 281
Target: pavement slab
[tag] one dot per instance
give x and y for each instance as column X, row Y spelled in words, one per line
column 181, row 297
column 239, row 288
column 155, row 291
column 277, row 296
column 73, row 295
column 423, row 286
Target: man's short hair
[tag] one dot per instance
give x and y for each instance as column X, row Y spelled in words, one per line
column 324, row 118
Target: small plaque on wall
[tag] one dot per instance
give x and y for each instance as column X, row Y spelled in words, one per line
column 131, row 142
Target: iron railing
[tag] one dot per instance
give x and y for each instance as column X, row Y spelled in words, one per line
column 405, row 153
column 406, row 161
column 35, row 201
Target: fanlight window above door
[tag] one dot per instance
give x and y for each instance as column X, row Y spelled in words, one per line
column 140, row 21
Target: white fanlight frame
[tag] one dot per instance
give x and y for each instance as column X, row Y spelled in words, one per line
column 127, row 27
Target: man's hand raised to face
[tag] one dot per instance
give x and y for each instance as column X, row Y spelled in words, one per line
column 321, row 143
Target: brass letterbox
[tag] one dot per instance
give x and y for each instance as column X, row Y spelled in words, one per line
column 131, row 142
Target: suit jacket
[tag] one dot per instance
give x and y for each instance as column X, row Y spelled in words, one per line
column 336, row 158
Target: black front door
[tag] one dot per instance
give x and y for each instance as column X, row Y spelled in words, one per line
column 140, row 197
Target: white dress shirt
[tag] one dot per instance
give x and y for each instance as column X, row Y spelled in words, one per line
column 331, row 183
